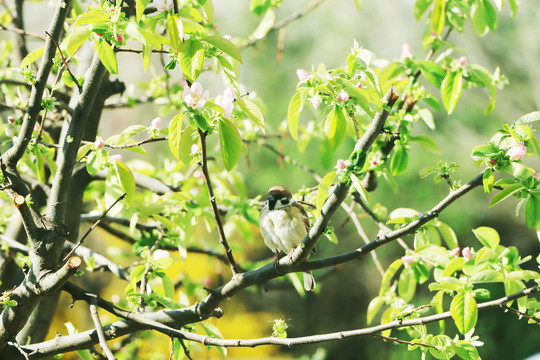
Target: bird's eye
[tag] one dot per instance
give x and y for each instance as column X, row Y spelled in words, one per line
column 284, row 200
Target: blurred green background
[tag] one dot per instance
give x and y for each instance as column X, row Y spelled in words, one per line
column 325, row 36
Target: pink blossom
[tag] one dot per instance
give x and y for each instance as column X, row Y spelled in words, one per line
column 302, row 74
column 156, row 123
column 194, row 149
column 328, row 76
column 341, row 165
column 227, row 37
column 11, row 119
column 359, row 85
column 36, row 126
column 194, row 96
column 316, row 101
column 455, row 252
column 115, row 157
column 463, row 61
column 407, row 260
column 406, row 51
column 343, row 96
column 99, row 143
column 162, row 5
column 467, row 253
column 226, row 102
column 434, row 34
column 537, row 176
column 120, row 37
column 160, row 254
column 518, row 151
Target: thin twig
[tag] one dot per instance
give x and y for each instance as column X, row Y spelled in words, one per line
column 144, row 277
column 360, row 230
column 291, row 161
column 294, row 16
column 126, row 146
column 92, row 304
column 221, row 231
column 517, row 312
column 404, row 342
column 93, row 227
column 65, row 63
column 137, row 51
column 22, row 32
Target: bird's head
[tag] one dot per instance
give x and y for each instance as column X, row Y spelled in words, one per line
column 278, row 198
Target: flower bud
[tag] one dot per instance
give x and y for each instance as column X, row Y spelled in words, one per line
column 99, row 143
column 156, row 123
column 160, row 254
column 407, row 260
column 116, row 157
column 455, row 252
column 341, row 165
column 406, row 51
column 518, row 151
column 467, row 253
column 343, row 96
column 302, row 74
column 462, row 61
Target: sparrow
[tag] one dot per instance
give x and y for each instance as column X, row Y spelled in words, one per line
column 284, row 223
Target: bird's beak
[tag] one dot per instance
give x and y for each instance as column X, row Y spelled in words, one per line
column 271, row 201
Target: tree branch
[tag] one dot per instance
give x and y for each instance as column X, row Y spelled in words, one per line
column 221, row 231
column 151, row 321
column 99, row 329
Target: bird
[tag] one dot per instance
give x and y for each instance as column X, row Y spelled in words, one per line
column 284, row 223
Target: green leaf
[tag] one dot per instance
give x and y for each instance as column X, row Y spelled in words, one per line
column 388, row 276
column 454, row 265
column 506, row 192
column 437, row 17
column 173, row 23
column 324, row 187
column 113, row 190
column 399, row 161
column 33, row 56
column 91, row 17
column 360, row 188
column 293, row 114
column 487, row 236
column 451, row 89
column 252, row 111
column 76, row 39
column 490, row 14
column 478, row 18
column 426, row 143
column 464, row 311
column 521, row 171
column 208, row 8
column 191, row 59
column 488, row 180
column 175, row 134
column 514, row 6
column 230, row 142
column 433, row 72
column 168, row 286
column 427, row 116
column 373, row 308
column 265, row 25
column 127, row 180
column 532, row 211
column 190, row 14
column 147, row 55
column 140, row 5
column 107, row 56
column 224, row 45
column 335, row 128
column 420, row 8
column 448, row 235
column 407, row 284
column 487, row 275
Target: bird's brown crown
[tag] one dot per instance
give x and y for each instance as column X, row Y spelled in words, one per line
column 279, row 191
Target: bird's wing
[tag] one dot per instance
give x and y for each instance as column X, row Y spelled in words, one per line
column 305, row 217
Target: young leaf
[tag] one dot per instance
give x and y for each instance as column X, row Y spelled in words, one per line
column 191, row 59
column 532, row 211
column 407, row 284
column 437, row 17
column 360, row 188
column 173, row 23
column 506, row 192
column 399, row 161
column 487, row 236
column 389, row 275
column 478, row 18
column 252, row 111
column 488, row 180
column 230, row 142
column 433, row 72
column 265, row 25
column 490, row 14
column 91, row 17
column 175, row 134
column 107, row 56
column 420, row 8
column 224, row 45
column 373, row 308
column 464, row 311
column 127, row 181
column 337, row 128
column 324, row 187
column 33, row 56
column 295, row 107
column 451, row 89
column 448, row 235
column 76, row 39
